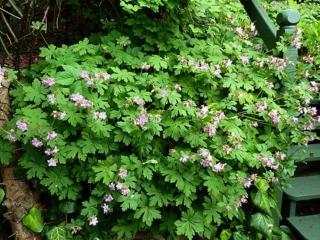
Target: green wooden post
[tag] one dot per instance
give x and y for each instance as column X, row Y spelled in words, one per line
column 265, row 27
column 288, row 20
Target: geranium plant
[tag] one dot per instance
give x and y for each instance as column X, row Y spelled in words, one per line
column 175, row 125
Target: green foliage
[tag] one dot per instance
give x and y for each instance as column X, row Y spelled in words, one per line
column 33, row 220
column 169, row 124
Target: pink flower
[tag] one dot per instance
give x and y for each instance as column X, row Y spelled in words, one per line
column 141, row 120
column 312, row 111
column 241, row 33
column 90, row 82
column 227, row 63
column 105, row 76
column 244, row 59
column 248, row 183
column 203, row 152
column 261, row 106
column 108, row 198
column 206, row 162
column 22, row 125
column 97, row 75
column 203, row 112
column 270, row 85
column 79, row 100
column 125, row 191
column 51, row 151
column 244, row 199
column 257, row 47
column 37, row 143
column 306, row 74
column 84, row 74
column 52, row 162
column 295, row 119
column 48, row 82
column 93, row 220
column 274, row 116
column 138, row 100
column 145, row 66
column 218, row 167
column 211, row 130
column 51, row 135
column 105, row 208
column 100, row 115
column 112, row 186
column 184, row 158
column 216, row 71
column 52, row 98
column 123, row 173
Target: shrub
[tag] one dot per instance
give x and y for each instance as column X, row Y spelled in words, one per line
column 175, row 124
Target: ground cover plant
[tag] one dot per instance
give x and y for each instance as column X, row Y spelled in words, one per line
column 172, row 124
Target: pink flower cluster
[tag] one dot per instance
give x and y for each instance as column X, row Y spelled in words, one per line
column 52, row 162
column 141, row 120
column 207, row 160
column 123, row 173
column 211, row 129
column 261, row 106
column 279, row 63
column 244, row 59
column 203, row 112
column 51, row 135
column 22, row 125
column 124, row 190
column 314, row 86
column 80, row 101
column 308, row 59
column 216, row 71
column 51, row 151
column 268, row 162
column 97, row 76
column 312, row 110
column 48, row 82
column 273, row 114
column 36, row 143
column 296, row 42
column 138, row 100
column 184, row 158
column 93, row 220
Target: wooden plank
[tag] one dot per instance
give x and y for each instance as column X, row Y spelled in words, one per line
column 308, row 227
column 307, row 153
column 304, row 188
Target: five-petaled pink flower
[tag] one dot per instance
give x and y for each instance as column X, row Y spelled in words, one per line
column 218, row 167
column 105, row 208
column 37, row 143
column 48, row 82
column 93, row 220
column 261, row 106
column 51, row 135
column 22, row 125
column 52, row 162
column 123, row 173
